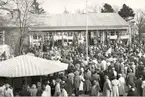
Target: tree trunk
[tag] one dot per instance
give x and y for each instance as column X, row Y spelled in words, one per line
column 19, row 46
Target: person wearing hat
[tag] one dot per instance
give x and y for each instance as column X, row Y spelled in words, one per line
column 57, row 88
column 24, row 91
column 114, row 72
column 95, row 88
column 63, row 91
column 33, row 90
column 39, row 89
column 77, row 82
column 47, row 89
column 138, row 84
column 107, row 88
column 7, row 91
column 131, row 77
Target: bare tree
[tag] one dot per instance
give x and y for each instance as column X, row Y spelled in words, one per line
column 140, row 22
column 21, row 18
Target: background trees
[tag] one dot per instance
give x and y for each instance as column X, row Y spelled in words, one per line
column 22, row 15
column 66, row 11
column 36, row 9
column 126, row 12
column 107, row 8
column 140, row 22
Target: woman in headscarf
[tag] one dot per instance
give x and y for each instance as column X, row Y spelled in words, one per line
column 95, row 89
column 33, row 90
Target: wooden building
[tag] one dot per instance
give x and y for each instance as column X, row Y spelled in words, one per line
column 67, row 27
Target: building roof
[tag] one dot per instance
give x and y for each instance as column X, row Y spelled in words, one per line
column 78, row 21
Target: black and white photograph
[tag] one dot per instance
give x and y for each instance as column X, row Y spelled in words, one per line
column 72, row 48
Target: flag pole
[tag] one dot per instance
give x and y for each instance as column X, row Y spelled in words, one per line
column 86, row 31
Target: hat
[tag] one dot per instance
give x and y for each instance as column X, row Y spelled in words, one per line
column 120, row 74
column 106, row 77
column 58, row 80
column 7, row 85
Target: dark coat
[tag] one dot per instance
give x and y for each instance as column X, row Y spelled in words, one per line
column 87, row 85
column 138, row 84
column 131, row 79
column 132, row 93
column 39, row 92
column 69, row 86
column 96, row 77
column 24, row 93
column 77, row 81
column 95, row 90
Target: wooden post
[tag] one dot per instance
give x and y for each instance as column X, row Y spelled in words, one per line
column 25, row 80
column 40, row 79
column 86, row 32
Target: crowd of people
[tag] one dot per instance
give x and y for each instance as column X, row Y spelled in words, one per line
column 112, row 69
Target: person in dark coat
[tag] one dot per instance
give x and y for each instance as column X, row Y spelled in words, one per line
column 95, row 88
column 138, row 84
column 96, row 76
column 102, row 80
column 77, row 82
column 69, row 86
column 39, row 89
column 131, row 77
column 52, row 85
column 25, row 91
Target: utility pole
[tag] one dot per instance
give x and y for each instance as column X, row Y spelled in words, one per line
column 87, row 31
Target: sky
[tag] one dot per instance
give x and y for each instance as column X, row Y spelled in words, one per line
column 58, row 6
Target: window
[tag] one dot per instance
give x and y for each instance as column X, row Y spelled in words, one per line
column 39, row 36
column 123, row 33
column 59, row 33
column 113, row 33
column 65, row 33
column 34, row 36
column 69, row 33
column 70, row 40
column 45, row 37
column 50, row 34
column 1, row 35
